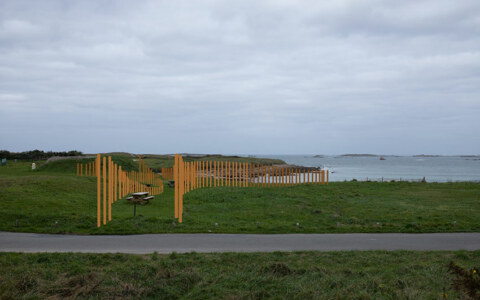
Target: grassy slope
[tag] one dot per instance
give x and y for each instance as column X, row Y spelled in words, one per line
column 157, row 161
column 39, row 198
column 298, row 275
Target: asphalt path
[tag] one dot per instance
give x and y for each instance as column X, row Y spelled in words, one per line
column 167, row 243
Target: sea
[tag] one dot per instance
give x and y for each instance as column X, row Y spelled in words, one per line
column 410, row 168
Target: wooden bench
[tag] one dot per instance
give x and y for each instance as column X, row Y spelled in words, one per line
column 146, row 200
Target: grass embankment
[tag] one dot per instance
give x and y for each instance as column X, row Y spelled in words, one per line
column 298, row 275
column 156, row 162
column 32, row 201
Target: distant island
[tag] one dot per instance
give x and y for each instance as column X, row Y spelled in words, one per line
column 360, row 155
column 318, row 156
column 427, row 155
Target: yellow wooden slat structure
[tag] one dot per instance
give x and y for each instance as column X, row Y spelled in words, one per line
column 189, row 176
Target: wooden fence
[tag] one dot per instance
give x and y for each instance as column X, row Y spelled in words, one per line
column 167, row 173
column 88, row 167
column 189, row 176
column 113, row 183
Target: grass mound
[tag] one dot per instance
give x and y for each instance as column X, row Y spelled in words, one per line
column 70, row 165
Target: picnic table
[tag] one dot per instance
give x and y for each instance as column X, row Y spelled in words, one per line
column 139, row 197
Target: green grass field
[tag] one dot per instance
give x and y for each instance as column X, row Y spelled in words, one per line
column 297, row 275
column 32, row 201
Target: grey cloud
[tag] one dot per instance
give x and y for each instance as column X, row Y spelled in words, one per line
column 241, row 77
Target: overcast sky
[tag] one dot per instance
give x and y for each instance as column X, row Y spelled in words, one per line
column 258, row 77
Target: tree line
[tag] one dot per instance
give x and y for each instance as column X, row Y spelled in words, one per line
column 36, row 154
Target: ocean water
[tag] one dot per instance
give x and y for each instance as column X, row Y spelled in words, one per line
column 434, row 169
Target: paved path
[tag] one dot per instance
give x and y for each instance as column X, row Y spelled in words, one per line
column 166, row 243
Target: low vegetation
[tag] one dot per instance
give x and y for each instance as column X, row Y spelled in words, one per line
column 298, row 275
column 53, row 199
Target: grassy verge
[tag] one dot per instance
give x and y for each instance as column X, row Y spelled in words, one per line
column 56, row 201
column 298, row 275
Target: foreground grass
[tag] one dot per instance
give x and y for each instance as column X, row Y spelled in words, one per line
column 54, row 201
column 298, row 275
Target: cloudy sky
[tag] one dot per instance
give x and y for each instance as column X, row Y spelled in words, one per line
column 259, row 77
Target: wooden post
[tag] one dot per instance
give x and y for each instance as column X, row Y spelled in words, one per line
column 121, row 187
column 104, row 190
column 202, row 174
column 110, row 190
column 260, row 175
column 177, row 183
column 99, row 203
column 255, row 175
column 264, row 173
column 229, row 174
column 181, row 192
column 115, row 182
column 244, row 174
column 209, row 174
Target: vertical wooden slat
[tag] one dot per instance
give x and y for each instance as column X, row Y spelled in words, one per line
column 244, row 174
column 278, row 172
column 210, row 173
column 110, row 188
column 177, row 183
column 263, row 175
column 216, row 174
column 260, row 175
column 268, row 175
column 120, row 184
column 99, row 203
column 181, row 192
column 257, row 177
column 115, row 182
column 104, row 190
column 287, row 177
column 234, row 174
column 242, row 178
